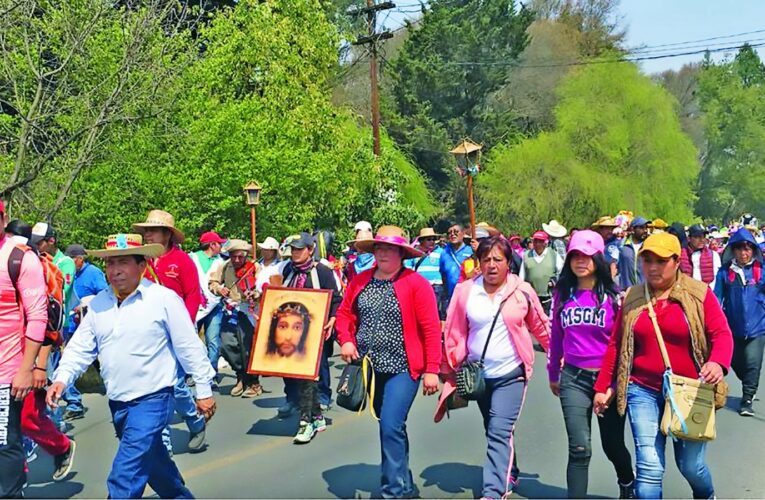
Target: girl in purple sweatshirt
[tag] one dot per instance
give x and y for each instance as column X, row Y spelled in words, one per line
column 585, row 303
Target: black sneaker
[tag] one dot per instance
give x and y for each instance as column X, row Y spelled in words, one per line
column 627, row 490
column 746, row 410
column 73, row 415
column 63, row 463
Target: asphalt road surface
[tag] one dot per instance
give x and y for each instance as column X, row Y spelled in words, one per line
column 251, row 454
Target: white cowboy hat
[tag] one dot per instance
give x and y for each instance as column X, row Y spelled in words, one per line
column 160, row 218
column 269, row 244
column 555, row 229
column 127, row 244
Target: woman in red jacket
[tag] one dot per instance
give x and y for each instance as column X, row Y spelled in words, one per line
column 389, row 314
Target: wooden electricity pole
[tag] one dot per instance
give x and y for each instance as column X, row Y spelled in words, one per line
column 372, row 39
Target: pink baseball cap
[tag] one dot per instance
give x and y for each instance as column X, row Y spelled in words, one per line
column 587, row 242
column 540, row 235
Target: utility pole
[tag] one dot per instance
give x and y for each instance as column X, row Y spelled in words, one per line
column 372, row 39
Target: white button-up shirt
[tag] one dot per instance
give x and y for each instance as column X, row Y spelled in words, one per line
column 138, row 344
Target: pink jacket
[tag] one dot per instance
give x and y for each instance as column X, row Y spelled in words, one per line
column 19, row 323
column 521, row 315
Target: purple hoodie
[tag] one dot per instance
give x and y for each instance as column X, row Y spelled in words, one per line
column 580, row 333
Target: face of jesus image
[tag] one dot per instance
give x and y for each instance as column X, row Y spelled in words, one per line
column 289, row 330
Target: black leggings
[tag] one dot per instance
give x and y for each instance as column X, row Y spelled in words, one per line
column 747, row 363
column 576, row 394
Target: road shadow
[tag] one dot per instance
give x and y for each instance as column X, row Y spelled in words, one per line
column 272, row 402
column 454, row 478
column 530, row 486
column 353, row 481
column 275, row 426
column 180, row 440
column 64, row 489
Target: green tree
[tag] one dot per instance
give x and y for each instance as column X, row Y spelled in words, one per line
column 617, row 145
column 437, row 89
column 256, row 105
column 732, row 98
column 71, row 74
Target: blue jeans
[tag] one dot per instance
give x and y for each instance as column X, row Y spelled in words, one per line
column 645, row 408
column 186, row 407
column 57, row 414
column 325, row 378
column 72, row 395
column 211, row 324
column 141, row 458
column 394, row 395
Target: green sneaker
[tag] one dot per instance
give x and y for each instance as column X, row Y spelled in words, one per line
column 320, row 424
column 305, row 433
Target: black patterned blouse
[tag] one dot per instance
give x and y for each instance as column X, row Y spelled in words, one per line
column 381, row 332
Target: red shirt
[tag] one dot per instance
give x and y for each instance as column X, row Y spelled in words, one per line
column 176, row 271
column 647, row 364
column 419, row 315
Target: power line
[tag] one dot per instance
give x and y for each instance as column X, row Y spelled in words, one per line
column 735, row 35
column 598, row 61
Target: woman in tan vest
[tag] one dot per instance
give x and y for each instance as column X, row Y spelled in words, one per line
column 699, row 344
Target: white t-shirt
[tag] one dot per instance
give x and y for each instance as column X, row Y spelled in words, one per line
column 501, row 356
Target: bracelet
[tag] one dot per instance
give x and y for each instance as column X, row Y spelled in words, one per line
column 40, row 368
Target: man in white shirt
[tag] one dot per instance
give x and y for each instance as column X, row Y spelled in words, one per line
column 139, row 331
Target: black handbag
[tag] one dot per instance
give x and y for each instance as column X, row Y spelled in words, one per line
column 351, row 394
column 470, row 380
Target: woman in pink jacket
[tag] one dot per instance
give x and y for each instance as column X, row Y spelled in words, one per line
column 509, row 358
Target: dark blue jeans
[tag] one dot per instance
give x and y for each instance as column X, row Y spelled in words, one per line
column 292, row 386
column 141, row 457
column 72, row 395
column 645, row 408
column 394, row 395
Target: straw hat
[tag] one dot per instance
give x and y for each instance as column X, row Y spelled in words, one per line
column 390, row 235
column 127, row 244
column 234, row 245
column 493, row 231
column 160, row 218
column 363, row 235
column 605, row 221
column 428, row 232
column 269, row 244
column 555, row 229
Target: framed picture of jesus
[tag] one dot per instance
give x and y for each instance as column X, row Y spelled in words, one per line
column 290, row 332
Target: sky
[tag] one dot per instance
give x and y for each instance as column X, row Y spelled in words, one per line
column 656, row 22
column 659, row 22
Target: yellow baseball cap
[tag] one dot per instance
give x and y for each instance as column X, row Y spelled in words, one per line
column 664, row 245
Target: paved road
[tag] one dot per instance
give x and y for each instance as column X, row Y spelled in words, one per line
column 251, row 453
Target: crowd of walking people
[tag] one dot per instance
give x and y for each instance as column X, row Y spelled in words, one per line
column 461, row 313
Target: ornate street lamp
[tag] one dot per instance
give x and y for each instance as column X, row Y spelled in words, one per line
column 252, row 199
column 468, row 156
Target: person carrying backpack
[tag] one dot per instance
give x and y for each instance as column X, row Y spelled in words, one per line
column 22, row 331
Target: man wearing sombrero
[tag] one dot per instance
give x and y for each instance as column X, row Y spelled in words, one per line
column 140, row 332
column 174, row 269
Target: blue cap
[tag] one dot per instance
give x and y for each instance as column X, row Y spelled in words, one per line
column 304, row 241
column 639, row 221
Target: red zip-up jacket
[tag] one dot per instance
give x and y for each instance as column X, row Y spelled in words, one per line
column 419, row 313
column 176, row 271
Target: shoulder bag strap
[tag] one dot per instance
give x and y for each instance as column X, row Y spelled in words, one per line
column 652, row 315
column 491, row 330
column 419, row 262
column 315, row 278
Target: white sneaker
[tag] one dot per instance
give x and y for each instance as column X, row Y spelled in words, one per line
column 305, row 433
column 222, row 363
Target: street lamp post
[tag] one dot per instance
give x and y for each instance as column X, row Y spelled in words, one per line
column 468, row 156
column 252, row 199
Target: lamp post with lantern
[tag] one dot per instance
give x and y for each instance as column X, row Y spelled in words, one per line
column 468, row 156
column 252, row 199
